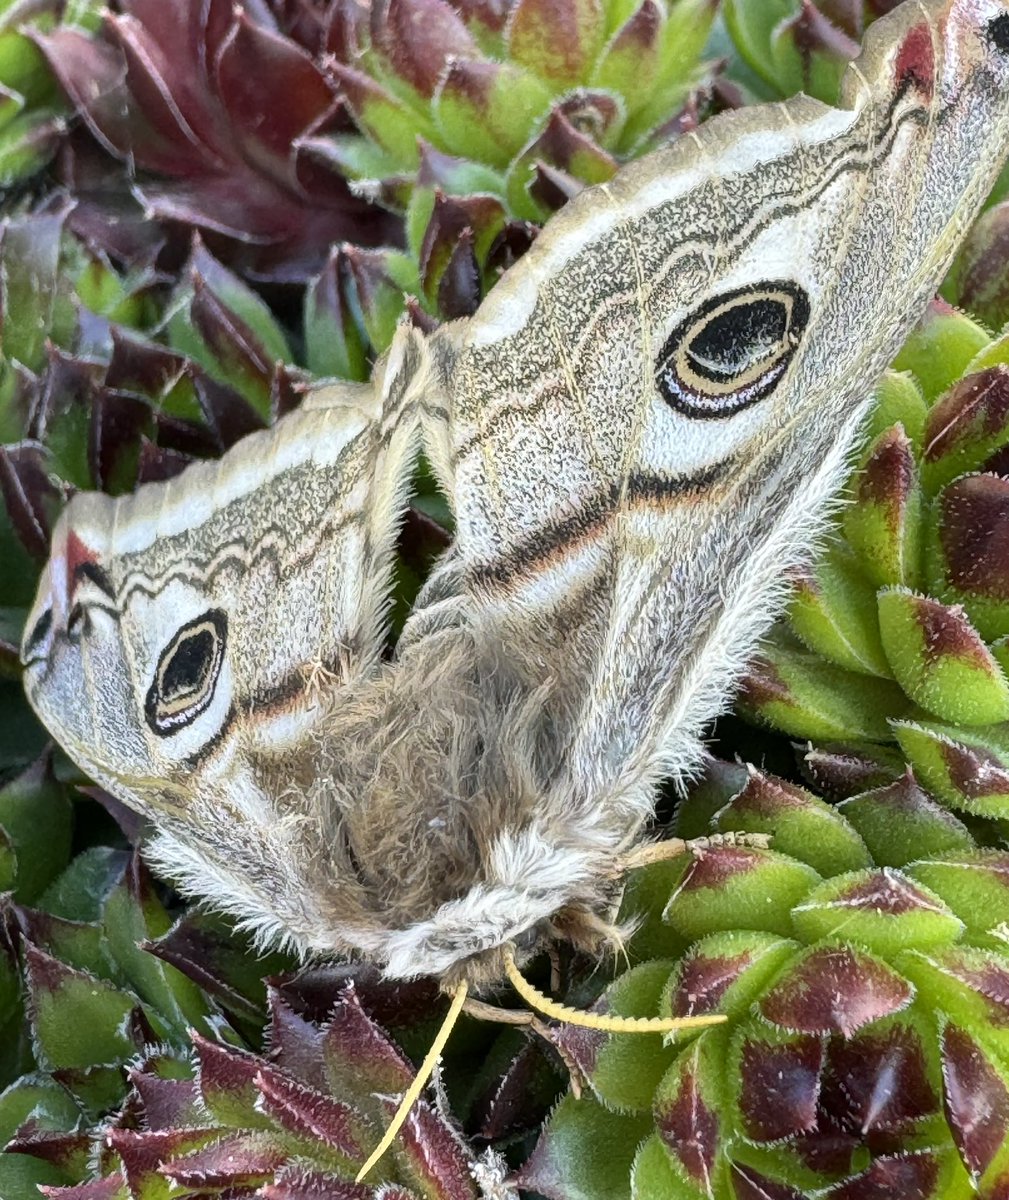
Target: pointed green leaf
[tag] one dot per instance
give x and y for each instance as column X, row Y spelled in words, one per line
column 940, row 349
column 940, row 660
column 882, row 910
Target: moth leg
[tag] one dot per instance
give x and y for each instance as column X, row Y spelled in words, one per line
column 522, row 1016
column 503, row 1016
column 653, row 852
column 555, row 968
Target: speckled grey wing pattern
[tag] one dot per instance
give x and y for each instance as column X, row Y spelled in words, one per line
column 627, row 536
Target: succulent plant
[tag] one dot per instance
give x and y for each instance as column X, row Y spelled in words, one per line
column 862, row 965
column 33, row 115
column 788, row 46
column 478, row 120
column 207, row 107
column 898, row 633
column 529, row 98
column 509, row 108
column 977, row 281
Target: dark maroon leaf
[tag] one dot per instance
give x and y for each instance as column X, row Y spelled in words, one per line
column 311, row 1115
column 421, row 540
column 691, row 1128
column 456, row 220
column 185, row 105
column 172, row 101
column 287, row 389
column 419, row 318
column 977, row 406
column 985, row 974
column 238, row 1160
column 229, row 416
column 561, row 144
column 92, row 72
column 109, row 1187
column 118, row 420
column 885, row 891
column 508, row 247
column 231, row 341
column 108, row 218
column 418, row 38
column 510, row 1105
column 974, row 770
column 973, row 522
column 27, row 493
column 878, row 1081
column 835, row 990
column 168, row 1103
column 703, row 981
column 158, row 463
column 140, row 1029
column 888, row 477
column 443, row 172
column 313, row 992
column 435, row 1154
column 299, row 1184
column 356, row 1049
column 252, row 54
column 908, row 1176
column 780, row 1086
column 552, row 188
column 459, row 285
column 975, row 1098
column 137, row 365
column 768, row 796
column 225, row 1071
column 67, row 1151
column 842, row 771
column 143, row 1152
column 194, row 439
column 295, row 1044
column 826, row 1151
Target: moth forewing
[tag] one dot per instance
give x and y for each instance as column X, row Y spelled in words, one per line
column 691, row 352
column 638, row 431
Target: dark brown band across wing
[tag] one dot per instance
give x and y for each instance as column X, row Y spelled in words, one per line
column 531, row 552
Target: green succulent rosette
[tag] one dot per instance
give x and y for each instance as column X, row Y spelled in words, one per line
column 862, row 964
column 899, row 633
column 529, row 98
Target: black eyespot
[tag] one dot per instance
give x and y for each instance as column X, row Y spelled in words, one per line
column 998, row 32
column 186, row 674
column 733, row 350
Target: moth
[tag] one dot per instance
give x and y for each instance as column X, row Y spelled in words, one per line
column 638, row 433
